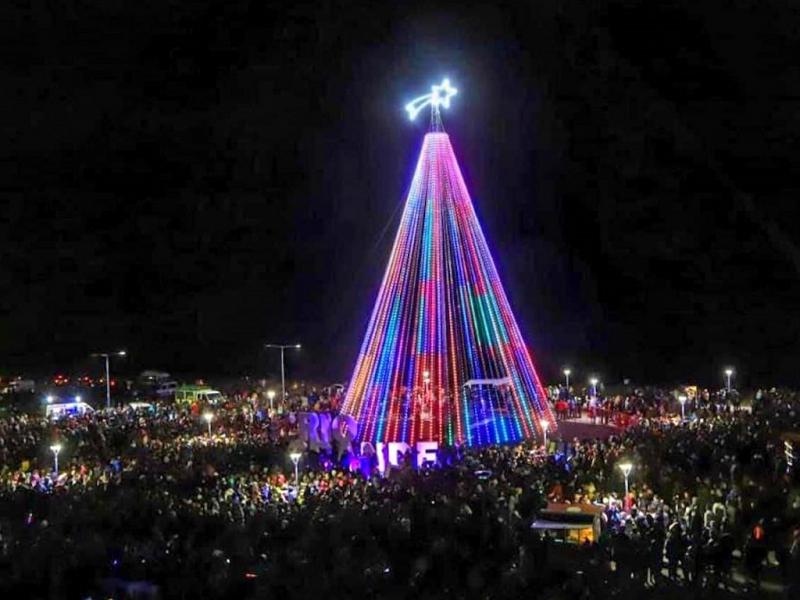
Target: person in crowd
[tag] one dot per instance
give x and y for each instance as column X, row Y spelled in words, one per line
column 151, row 496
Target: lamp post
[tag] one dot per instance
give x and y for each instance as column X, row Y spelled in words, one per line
column 567, row 372
column 545, row 426
column 728, row 375
column 55, row 449
column 594, row 381
column 682, row 400
column 107, row 356
column 295, row 456
column 208, row 418
column 626, row 468
column 271, row 396
column 282, row 348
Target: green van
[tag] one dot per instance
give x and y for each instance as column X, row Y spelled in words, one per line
column 198, row 394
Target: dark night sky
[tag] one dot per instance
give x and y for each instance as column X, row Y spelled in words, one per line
column 188, row 181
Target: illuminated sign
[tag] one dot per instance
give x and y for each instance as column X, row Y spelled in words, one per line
column 426, row 452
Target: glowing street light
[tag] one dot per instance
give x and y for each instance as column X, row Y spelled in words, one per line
column 50, row 399
column 594, row 381
column 208, row 418
column 55, row 449
column 626, row 468
column 545, row 427
column 728, row 375
column 567, row 372
column 282, row 348
column 271, row 396
column 682, row 399
column 107, row 355
column 295, row 456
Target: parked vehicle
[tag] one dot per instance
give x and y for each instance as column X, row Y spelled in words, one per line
column 18, row 385
column 60, row 410
column 198, row 394
column 156, row 384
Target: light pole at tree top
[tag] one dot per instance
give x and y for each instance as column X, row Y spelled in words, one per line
column 682, row 400
column 545, row 426
column 728, row 375
column 107, row 356
column 271, row 396
column 208, row 417
column 55, row 449
column 626, row 470
column 594, row 381
column 295, row 456
column 282, row 348
column 567, row 372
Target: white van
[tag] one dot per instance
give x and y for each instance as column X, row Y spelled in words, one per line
column 67, row 409
column 166, row 389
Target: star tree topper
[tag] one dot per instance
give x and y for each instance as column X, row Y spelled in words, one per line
column 440, row 96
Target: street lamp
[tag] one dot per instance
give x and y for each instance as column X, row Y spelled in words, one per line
column 295, row 456
column 271, row 396
column 545, row 426
column 282, row 348
column 626, row 470
column 728, row 375
column 107, row 355
column 567, row 373
column 208, row 418
column 682, row 400
column 55, row 449
column 50, row 399
column 594, row 381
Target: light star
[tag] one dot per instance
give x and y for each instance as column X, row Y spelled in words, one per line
column 440, row 96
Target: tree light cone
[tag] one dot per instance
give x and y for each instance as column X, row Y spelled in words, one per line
column 443, row 358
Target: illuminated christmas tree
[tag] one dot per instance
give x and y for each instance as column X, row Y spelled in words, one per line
column 443, row 359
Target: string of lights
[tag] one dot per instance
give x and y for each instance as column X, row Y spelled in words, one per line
column 443, row 358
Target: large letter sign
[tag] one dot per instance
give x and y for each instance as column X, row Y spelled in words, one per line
column 426, row 452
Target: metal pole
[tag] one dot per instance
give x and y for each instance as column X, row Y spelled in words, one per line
column 283, row 377
column 108, row 383
column 296, row 476
column 626, row 486
column 567, row 376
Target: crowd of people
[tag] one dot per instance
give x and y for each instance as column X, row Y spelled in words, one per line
column 628, row 407
column 163, row 503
